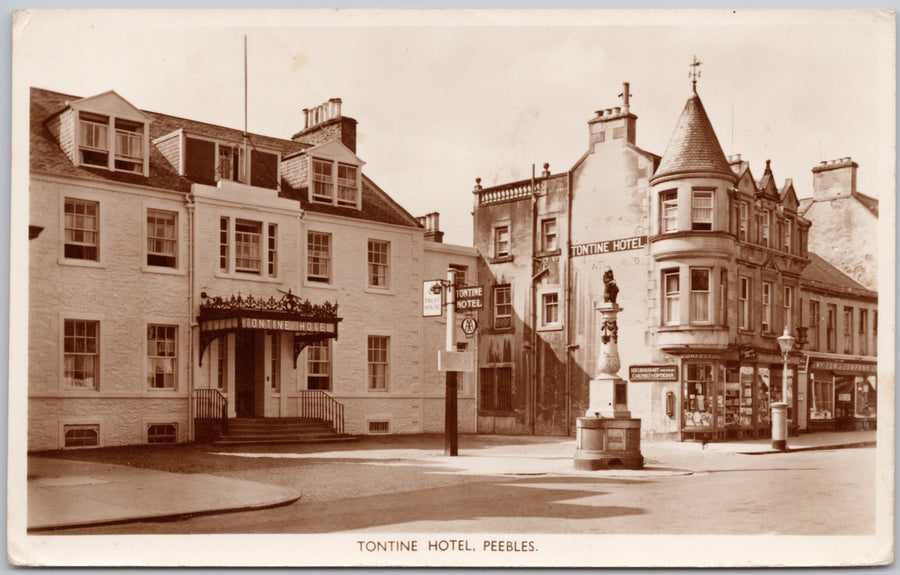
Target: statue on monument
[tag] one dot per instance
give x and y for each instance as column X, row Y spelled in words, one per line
column 610, row 289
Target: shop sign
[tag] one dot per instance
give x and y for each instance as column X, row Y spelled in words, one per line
column 468, row 298
column 286, row 325
column 700, row 356
column 608, row 246
column 653, row 373
column 845, row 397
column 842, row 366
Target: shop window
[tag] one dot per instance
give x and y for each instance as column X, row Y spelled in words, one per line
column 162, row 238
column 700, row 295
column 813, row 332
column 501, row 241
column 702, row 211
column 162, row 355
column 743, row 221
column 161, row 433
column 318, row 365
column 822, row 400
column 698, row 395
column 831, row 329
column 866, row 396
column 495, row 389
column 272, row 250
column 378, row 349
column 549, row 241
column 224, row 242
column 766, row 307
column 668, row 209
column 732, row 397
column 848, row 329
column 502, row 307
column 863, row 332
column 81, row 435
column 318, row 257
column 550, row 309
column 81, row 355
column 788, row 306
column 764, row 387
column 247, row 256
column 378, row 259
column 744, row 304
column 275, row 361
column 672, row 302
column 746, row 374
column 82, row 229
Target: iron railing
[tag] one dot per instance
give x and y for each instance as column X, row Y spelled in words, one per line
column 211, row 404
column 318, row 404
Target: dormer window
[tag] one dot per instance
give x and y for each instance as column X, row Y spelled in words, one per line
column 94, row 142
column 334, row 183
column 230, row 165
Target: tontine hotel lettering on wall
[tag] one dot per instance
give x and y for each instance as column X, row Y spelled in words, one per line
column 608, row 246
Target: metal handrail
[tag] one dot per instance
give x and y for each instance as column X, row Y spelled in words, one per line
column 211, row 403
column 318, row 404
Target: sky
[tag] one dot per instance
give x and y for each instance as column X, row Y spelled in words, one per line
column 445, row 97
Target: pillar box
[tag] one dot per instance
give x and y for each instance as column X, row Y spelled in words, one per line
column 607, row 436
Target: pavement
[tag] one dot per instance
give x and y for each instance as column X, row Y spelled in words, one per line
column 65, row 493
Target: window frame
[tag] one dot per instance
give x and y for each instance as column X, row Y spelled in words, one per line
column 705, row 223
column 372, row 377
column 153, row 255
column 246, row 242
column 549, row 238
column 671, row 312
column 744, row 309
column 338, row 185
column 863, row 331
column 813, row 329
column 498, row 241
column 71, row 341
column 766, row 307
column 71, row 224
column 174, row 435
column 318, row 361
column 743, row 220
column 107, row 147
column 848, row 324
column 788, row 306
column 491, row 399
column 274, row 338
column 765, row 228
column 831, row 329
column 501, row 321
column 668, row 211
column 707, row 291
column 170, row 347
column 95, row 427
column 378, row 273
column 318, row 255
column 548, row 322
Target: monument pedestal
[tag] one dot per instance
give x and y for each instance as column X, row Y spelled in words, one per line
column 608, row 443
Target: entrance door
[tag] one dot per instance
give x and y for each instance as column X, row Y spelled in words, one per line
column 244, row 374
column 843, row 403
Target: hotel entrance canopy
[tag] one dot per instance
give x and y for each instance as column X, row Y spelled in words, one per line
column 308, row 322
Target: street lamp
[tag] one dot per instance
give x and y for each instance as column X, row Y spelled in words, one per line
column 779, row 410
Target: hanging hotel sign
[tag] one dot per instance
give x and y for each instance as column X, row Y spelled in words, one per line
column 608, row 246
column 653, row 372
column 432, row 298
column 468, row 298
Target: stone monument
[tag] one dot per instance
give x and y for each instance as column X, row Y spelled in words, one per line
column 607, row 436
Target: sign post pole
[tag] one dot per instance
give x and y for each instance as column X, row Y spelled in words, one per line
column 451, row 435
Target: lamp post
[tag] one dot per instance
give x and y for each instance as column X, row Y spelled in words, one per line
column 779, row 410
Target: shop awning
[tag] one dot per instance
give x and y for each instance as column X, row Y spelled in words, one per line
column 308, row 322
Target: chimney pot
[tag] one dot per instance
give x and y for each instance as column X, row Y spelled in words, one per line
column 617, row 110
column 305, row 118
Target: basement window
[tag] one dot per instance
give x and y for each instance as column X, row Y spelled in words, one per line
column 82, row 435
column 161, row 433
column 379, row 426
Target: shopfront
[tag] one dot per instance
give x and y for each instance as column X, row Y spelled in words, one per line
column 727, row 395
column 842, row 395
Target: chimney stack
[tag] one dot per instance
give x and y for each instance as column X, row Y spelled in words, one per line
column 431, row 223
column 834, row 179
column 325, row 123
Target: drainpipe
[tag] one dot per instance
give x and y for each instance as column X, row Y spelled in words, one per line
column 532, row 392
column 189, row 202
column 567, row 286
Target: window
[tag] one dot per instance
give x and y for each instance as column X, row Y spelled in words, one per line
column 161, row 238
column 247, row 256
column 744, row 221
column 764, row 222
column 822, row 397
column 702, row 211
column 275, row 361
column 744, row 304
column 82, row 229
column 502, row 307
column 668, row 211
column 830, row 327
column 346, row 185
column 788, row 306
column 459, row 274
column 495, row 389
column 700, row 295
column 501, row 241
column 766, row 307
column 813, row 325
column 318, row 257
column 81, row 353
column 378, row 362
column 161, row 433
column 318, row 365
column 81, row 435
column 549, row 241
column 698, row 396
column 863, row 332
column 162, row 352
column 550, row 308
column 222, row 364
column 788, row 226
column 848, row 330
column 672, row 289
column 379, row 254
column 230, row 164
column 323, row 181
column 273, row 250
column 223, row 244
column 723, row 297
column 379, row 426
column 94, row 141
column 129, row 146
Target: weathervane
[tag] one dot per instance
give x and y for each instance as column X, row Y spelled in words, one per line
column 694, row 73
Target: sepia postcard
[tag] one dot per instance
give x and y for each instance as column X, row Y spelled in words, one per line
column 452, row 288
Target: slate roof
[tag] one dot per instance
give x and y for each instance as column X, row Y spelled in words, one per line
column 867, row 202
column 693, row 146
column 821, row 274
column 47, row 157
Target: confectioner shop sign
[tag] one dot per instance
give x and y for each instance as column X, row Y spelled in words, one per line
column 608, row 246
column 653, row 372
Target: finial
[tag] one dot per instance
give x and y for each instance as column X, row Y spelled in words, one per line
column 694, row 73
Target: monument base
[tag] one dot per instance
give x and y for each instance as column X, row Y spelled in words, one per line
column 602, row 443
